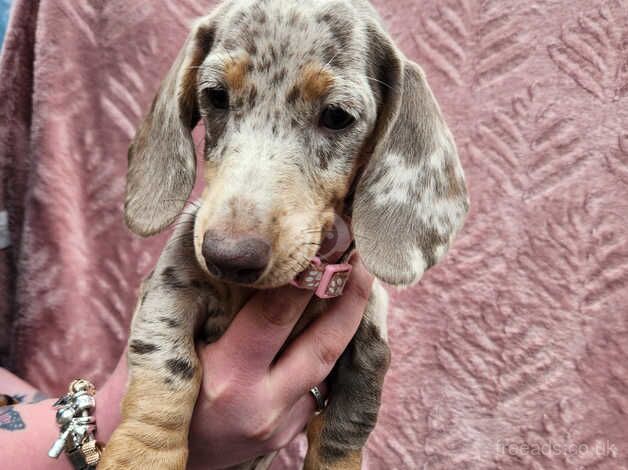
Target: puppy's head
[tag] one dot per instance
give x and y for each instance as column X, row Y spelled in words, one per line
column 309, row 109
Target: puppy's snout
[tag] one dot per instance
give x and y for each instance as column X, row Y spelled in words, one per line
column 237, row 259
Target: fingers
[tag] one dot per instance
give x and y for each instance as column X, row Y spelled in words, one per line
column 310, row 358
column 259, row 330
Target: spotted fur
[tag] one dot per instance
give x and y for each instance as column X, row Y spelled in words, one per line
column 272, row 169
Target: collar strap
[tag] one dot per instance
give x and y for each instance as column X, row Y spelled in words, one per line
column 326, row 275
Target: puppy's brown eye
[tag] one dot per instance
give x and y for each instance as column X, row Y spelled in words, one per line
column 336, row 119
column 218, row 97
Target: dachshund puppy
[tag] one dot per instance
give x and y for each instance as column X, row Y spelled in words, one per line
column 309, row 111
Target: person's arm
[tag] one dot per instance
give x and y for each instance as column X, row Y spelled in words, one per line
column 28, row 429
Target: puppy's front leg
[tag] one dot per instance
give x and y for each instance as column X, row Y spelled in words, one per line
column 164, row 370
column 336, row 436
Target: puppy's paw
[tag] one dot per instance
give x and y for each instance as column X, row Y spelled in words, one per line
column 141, row 446
column 322, row 455
column 351, row 461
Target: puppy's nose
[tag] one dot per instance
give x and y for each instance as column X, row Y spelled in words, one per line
column 237, row 259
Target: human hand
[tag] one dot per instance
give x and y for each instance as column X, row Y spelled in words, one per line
column 251, row 402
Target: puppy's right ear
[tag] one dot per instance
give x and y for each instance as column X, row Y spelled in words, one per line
column 162, row 161
column 411, row 199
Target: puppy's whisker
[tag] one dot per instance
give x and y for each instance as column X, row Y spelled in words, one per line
column 186, row 201
column 359, row 236
column 380, row 82
column 179, row 224
column 229, row 54
column 187, row 235
column 328, row 64
column 183, row 236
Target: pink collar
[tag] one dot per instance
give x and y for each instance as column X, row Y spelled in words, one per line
column 325, row 276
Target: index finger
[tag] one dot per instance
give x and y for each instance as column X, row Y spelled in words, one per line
column 260, row 329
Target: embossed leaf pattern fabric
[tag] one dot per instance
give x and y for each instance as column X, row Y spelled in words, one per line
column 513, row 353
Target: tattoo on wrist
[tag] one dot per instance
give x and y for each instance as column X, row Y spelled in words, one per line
column 10, row 418
column 6, row 400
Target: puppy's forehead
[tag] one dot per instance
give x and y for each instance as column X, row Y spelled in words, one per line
column 281, row 35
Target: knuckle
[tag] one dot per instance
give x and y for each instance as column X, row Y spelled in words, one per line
column 223, row 387
column 276, row 316
column 260, row 430
column 361, row 289
column 276, row 311
column 216, row 390
column 328, row 350
column 278, row 443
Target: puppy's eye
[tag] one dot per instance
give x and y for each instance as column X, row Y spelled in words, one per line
column 218, row 97
column 336, row 119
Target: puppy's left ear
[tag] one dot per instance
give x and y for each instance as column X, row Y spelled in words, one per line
column 411, row 199
column 162, row 159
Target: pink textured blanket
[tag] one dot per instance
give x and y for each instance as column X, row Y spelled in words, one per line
column 511, row 354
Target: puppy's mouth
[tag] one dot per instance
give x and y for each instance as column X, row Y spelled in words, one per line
column 247, row 261
column 327, row 274
column 334, row 242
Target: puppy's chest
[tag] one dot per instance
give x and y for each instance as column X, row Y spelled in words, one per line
column 222, row 311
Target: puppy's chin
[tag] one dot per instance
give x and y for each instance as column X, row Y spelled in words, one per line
column 273, row 278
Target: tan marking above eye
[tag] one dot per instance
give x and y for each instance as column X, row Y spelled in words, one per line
column 236, row 71
column 315, row 82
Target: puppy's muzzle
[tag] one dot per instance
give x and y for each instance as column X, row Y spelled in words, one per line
column 242, row 259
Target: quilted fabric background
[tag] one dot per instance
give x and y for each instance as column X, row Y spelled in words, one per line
column 511, row 354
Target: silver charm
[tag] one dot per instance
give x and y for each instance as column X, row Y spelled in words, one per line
column 76, row 424
column 65, row 415
column 59, row 444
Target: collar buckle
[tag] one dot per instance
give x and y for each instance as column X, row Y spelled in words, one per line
column 326, row 280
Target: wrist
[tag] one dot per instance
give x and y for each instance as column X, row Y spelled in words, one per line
column 109, row 401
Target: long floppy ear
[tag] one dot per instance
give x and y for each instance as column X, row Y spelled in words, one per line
column 162, row 161
column 412, row 198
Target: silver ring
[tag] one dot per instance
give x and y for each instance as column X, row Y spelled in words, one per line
column 318, row 398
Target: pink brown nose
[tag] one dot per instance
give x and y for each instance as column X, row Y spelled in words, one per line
column 236, row 259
